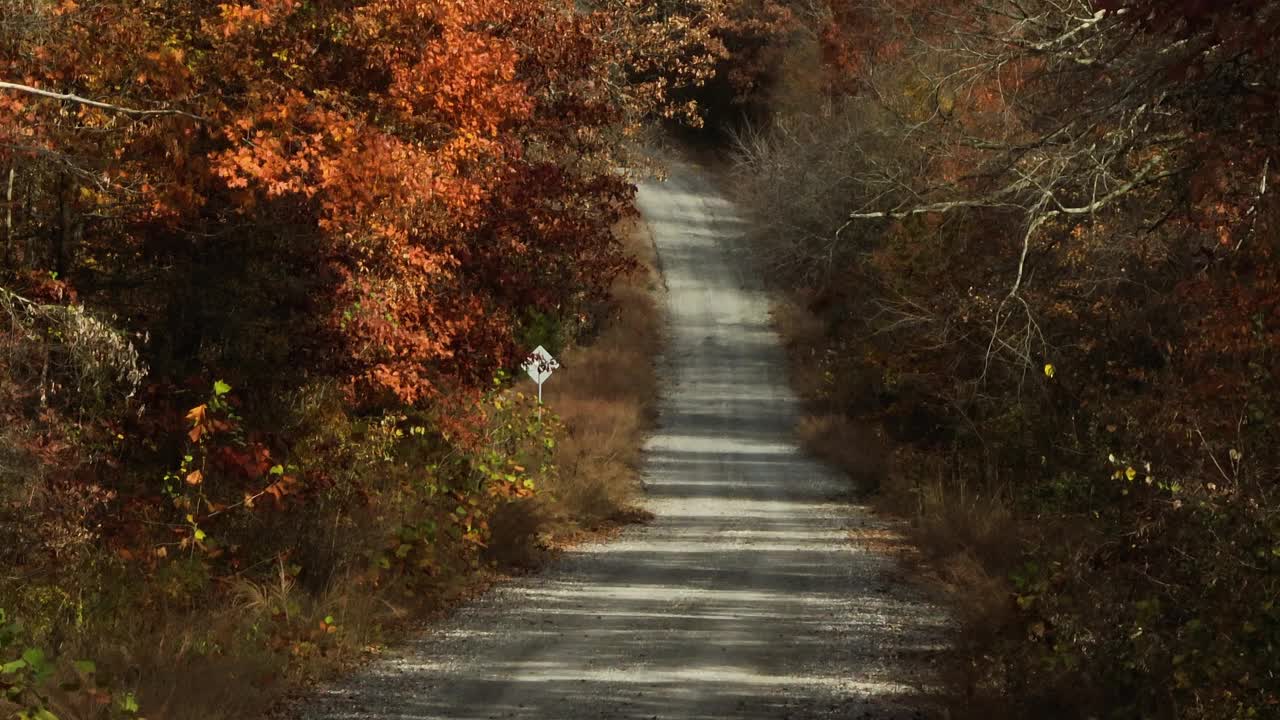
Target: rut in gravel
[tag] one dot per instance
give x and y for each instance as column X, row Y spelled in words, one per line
column 745, row 598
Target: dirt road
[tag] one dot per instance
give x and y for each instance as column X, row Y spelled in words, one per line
column 745, row 598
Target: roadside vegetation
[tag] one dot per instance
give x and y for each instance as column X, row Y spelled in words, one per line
column 1028, row 258
column 408, row 528
column 606, row 402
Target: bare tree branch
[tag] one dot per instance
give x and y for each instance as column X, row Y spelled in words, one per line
column 67, row 97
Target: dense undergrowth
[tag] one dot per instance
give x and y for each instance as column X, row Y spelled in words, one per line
column 287, row 585
column 1029, row 256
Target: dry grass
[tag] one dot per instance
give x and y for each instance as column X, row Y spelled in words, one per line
column 803, row 333
column 856, row 448
column 605, row 398
column 514, row 534
column 967, row 541
column 238, row 656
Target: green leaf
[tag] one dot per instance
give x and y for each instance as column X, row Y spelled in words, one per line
column 85, row 667
column 12, row 667
column 128, row 703
column 277, row 469
column 34, row 657
column 221, row 388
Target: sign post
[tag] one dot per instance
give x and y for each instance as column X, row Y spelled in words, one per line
column 540, row 365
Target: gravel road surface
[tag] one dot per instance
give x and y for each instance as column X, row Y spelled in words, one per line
column 749, row 596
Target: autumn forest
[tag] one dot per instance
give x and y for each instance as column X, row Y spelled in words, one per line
column 268, row 271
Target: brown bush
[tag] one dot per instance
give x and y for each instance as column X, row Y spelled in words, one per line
column 514, row 530
column 856, row 448
column 604, row 394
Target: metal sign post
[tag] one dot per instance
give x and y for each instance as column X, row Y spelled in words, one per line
column 540, row 365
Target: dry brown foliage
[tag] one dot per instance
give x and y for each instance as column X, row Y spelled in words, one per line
column 605, row 397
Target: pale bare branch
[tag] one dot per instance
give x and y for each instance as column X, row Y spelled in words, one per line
column 68, row 97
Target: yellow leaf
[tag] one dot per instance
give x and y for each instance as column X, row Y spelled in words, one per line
column 1130, row 473
column 1050, row 370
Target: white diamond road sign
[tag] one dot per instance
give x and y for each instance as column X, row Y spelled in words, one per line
column 540, row 365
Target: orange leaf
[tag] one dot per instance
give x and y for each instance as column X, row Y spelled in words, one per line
column 197, row 413
column 195, row 477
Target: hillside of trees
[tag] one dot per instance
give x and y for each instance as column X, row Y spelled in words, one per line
column 1034, row 242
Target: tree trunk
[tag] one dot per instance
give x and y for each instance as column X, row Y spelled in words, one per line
column 8, row 218
column 62, row 241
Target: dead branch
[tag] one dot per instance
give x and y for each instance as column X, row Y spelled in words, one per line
column 68, row 97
